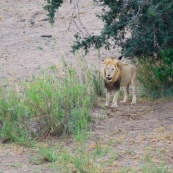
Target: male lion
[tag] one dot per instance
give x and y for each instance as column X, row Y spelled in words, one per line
column 117, row 74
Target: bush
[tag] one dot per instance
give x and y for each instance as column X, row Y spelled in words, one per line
column 156, row 76
column 149, row 22
column 54, row 103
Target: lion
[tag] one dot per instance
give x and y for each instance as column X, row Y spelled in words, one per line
column 116, row 74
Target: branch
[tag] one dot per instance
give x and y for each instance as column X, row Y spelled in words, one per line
column 156, row 44
column 76, row 16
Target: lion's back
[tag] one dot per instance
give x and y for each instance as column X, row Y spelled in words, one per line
column 128, row 72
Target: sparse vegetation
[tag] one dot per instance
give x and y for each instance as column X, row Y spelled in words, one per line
column 156, row 75
column 59, row 101
column 78, row 161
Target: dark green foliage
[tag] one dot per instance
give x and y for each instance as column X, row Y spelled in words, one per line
column 156, row 76
column 51, row 7
column 149, row 22
column 164, row 70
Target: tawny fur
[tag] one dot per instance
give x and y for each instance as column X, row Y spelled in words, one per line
column 116, row 74
column 116, row 64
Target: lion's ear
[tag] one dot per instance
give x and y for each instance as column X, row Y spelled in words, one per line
column 116, row 62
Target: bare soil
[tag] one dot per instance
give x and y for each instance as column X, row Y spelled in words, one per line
column 29, row 42
column 134, row 129
column 130, row 130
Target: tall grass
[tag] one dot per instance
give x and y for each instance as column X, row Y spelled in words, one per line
column 156, row 76
column 58, row 101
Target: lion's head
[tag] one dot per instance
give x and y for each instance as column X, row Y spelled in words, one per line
column 112, row 70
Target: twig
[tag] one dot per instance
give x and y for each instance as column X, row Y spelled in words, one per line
column 81, row 21
column 74, row 16
column 155, row 41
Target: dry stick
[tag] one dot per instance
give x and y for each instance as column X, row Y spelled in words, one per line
column 71, row 17
column 75, row 23
column 81, row 21
column 155, row 41
column 76, row 6
column 72, row 8
column 134, row 17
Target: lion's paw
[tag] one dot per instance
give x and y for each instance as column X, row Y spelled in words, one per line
column 106, row 105
column 114, row 106
column 123, row 101
column 132, row 103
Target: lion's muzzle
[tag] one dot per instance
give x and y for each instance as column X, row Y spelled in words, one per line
column 109, row 78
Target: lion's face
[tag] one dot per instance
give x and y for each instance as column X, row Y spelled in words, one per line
column 111, row 70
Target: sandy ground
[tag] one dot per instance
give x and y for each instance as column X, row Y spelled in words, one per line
column 24, row 52
column 23, row 23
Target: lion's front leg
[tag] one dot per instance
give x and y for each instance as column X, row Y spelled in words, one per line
column 108, row 94
column 115, row 99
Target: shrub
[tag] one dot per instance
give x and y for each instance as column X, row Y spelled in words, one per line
column 149, row 22
column 156, row 76
column 56, row 102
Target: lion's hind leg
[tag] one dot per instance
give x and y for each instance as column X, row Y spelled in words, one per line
column 133, row 83
column 126, row 93
column 134, row 94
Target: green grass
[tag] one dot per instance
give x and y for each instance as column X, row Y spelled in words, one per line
column 59, row 101
column 147, row 168
column 48, row 155
column 151, row 85
column 152, row 168
column 16, row 165
column 100, row 150
column 78, row 161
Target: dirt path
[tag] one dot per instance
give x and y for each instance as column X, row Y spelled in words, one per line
column 135, row 129
column 132, row 134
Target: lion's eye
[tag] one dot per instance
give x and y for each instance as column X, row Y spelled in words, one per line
column 113, row 69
